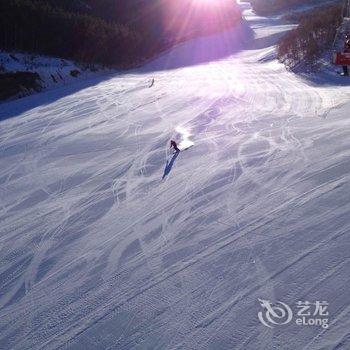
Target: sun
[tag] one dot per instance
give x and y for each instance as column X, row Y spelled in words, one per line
column 212, row 2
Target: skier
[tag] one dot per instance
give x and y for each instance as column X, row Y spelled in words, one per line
column 346, row 50
column 152, row 83
column 174, row 145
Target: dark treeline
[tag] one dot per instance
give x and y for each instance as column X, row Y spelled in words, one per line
column 302, row 16
column 13, row 83
column 266, row 7
column 305, row 45
column 112, row 32
column 36, row 26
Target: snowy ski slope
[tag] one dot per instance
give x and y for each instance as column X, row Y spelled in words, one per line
column 110, row 242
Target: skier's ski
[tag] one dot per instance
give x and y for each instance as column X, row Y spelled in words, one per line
column 186, row 148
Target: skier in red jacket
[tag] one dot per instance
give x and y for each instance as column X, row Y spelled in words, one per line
column 174, row 145
column 346, row 50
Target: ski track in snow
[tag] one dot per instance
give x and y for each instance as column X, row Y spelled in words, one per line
column 99, row 252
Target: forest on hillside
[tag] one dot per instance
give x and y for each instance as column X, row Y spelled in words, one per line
column 268, row 7
column 118, row 33
column 304, row 46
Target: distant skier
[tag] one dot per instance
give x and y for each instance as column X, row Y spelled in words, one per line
column 346, row 50
column 174, row 145
column 152, row 83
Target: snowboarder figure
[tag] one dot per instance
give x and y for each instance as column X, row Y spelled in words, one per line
column 174, row 145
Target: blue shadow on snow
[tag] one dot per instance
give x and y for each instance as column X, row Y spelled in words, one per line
column 169, row 165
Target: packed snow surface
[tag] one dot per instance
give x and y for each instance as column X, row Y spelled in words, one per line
column 109, row 241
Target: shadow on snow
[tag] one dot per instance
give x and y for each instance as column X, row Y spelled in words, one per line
column 169, row 165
